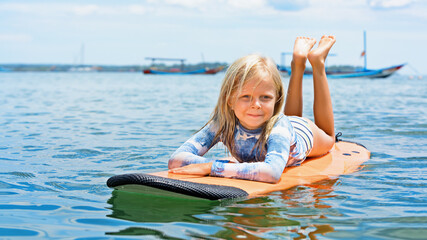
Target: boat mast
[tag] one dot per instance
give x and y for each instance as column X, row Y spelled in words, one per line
column 203, row 61
column 283, row 59
column 82, row 54
column 364, row 47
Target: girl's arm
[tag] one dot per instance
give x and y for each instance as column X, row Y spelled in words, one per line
column 193, row 149
column 275, row 162
column 201, row 169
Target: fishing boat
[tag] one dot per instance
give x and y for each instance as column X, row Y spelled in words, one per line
column 356, row 73
column 179, row 71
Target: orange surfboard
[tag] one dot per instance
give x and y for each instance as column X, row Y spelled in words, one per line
column 344, row 158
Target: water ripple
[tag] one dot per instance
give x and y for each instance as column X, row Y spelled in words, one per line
column 64, row 136
column 29, row 207
column 17, row 232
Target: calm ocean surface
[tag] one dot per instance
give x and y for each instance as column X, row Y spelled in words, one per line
column 63, row 135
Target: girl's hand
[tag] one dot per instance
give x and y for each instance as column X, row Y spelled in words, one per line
column 202, row 169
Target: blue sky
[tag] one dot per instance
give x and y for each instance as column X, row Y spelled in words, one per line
column 125, row 32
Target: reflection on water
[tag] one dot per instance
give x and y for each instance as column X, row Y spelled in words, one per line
column 143, row 208
column 148, row 208
column 282, row 214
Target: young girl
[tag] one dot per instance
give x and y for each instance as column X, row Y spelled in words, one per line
column 248, row 119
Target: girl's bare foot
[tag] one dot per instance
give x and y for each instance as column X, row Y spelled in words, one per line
column 302, row 47
column 318, row 55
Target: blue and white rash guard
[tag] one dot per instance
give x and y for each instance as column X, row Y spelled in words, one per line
column 284, row 148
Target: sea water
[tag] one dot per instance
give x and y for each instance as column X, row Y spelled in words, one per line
column 63, row 135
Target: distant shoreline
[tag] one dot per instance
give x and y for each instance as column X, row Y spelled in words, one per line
column 99, row 68
column 123, row 68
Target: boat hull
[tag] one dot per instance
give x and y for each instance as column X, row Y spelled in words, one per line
column 199, row 71
column 365, row 73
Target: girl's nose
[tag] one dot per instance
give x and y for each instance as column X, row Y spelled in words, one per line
column 256, row 103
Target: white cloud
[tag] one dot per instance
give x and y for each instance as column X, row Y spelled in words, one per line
column 144, row 7
column 289, row 5
column 39, row 9
column 213, row 4
column 388, row 4
column 85, row 9
column 137, row 9
column 15, row 38
column 15, row 7
column 188, row 7
column 188, row 3
column 246, row 4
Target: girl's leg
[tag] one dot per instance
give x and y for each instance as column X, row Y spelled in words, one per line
column 294, row 103
column 323, row 129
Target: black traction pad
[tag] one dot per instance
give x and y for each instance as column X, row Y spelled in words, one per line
column 200, row 190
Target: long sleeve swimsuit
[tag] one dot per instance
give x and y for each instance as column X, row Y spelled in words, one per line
column 284, row 148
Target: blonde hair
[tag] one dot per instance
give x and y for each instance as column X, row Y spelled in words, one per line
column 238, row 74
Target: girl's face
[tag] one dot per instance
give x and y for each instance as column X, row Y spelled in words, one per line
column 254, row 105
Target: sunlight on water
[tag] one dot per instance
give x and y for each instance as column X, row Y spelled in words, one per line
column 65, row 134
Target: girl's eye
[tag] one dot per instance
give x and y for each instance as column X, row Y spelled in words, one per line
column 266, row 98
column 245, row 97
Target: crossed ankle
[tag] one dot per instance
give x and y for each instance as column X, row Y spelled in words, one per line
column 317, row 62
column 298, row 64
